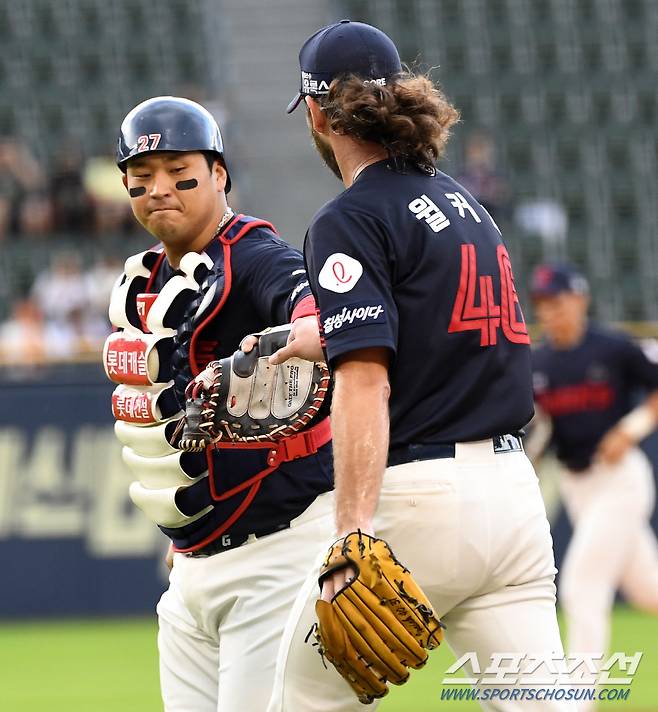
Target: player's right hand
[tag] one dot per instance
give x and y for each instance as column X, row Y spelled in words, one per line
column 303, row 342
column 248, row 343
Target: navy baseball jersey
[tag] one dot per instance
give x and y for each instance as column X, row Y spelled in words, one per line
column 411, row 262
column 587, row 389
column 268, row 280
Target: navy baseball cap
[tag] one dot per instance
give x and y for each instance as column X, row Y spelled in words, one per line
column 345, row 47
column 549, row 280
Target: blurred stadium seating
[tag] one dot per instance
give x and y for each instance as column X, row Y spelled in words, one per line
column 70, row 71
column 568, row 90
column 73, row 68
column 565, row 88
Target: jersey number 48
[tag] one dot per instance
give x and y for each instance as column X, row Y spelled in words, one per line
column 487, row 316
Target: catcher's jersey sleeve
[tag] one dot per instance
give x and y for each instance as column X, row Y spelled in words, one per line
column 272, row 273
column 350, row 272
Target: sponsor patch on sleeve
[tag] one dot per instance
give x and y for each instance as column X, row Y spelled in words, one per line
column 340, row 273
column 364, row 313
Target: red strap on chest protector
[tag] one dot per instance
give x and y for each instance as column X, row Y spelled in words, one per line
column 302, row 444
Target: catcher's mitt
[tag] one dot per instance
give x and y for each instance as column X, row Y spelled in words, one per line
column 380, row 624
column 244, row 399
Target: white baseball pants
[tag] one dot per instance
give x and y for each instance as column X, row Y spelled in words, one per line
column 222, row 618
column 613, row 546
column 473, row 531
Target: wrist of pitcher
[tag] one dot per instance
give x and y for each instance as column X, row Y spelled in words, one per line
column 354, row 524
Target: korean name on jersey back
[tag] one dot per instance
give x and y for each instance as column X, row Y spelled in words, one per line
column 434, row 261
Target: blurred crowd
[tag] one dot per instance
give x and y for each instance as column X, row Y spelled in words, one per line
column 64, row 316
column 74, row 195
column 61, row 313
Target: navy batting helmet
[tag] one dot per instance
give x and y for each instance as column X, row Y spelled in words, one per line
column 169, row 123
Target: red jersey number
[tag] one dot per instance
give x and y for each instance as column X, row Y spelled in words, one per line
column 487, row 316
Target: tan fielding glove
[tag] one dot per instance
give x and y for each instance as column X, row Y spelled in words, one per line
column 380, row 624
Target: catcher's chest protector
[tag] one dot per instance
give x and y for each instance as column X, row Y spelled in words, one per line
column 188, row 359
column 209, row 301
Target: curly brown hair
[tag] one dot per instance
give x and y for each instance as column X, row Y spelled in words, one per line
column 410, row 116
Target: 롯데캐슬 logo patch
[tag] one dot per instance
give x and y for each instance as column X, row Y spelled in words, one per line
column 340, row 273
column 356, row 315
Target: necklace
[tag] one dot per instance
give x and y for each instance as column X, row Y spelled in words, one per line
column 365, row 163
column 225, row 218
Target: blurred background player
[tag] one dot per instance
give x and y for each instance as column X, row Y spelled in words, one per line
column 231, row 512
column 437, row 456
column 587, row 379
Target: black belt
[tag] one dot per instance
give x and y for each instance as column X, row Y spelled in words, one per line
column 396, row 456
column 225, row 542
column 439, row 451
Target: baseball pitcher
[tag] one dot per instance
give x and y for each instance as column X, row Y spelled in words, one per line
column 424, row 333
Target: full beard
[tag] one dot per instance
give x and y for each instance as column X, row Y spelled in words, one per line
column 326, row 153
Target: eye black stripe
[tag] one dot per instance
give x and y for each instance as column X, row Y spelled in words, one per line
column 187, row 184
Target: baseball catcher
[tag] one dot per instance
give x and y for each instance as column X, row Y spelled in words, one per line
column 237, row 467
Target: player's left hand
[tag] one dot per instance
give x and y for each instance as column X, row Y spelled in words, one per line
column 378, row 625
column 336, row 582
column 339, row 579
column 614, row 445
column 303, row 342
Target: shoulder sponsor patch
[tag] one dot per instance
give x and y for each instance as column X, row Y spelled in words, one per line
column 353, row 315
column 340, row 273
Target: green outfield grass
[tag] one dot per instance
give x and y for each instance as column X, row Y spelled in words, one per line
column 631, row 632
column 111, row 666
